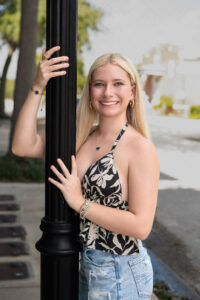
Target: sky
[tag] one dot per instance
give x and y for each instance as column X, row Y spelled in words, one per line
column 133, row 27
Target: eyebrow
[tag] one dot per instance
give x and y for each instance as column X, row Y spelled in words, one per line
column 112, row 80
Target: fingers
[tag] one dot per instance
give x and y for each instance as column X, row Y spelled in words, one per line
column 57, row 173
column 63, row 167
column 47, row 54
column 58, row 66
column 56, row 183
column 51, row 67
column 74, row 166
column 56, row 60
column 60, row 73
column 43, row 51
column 51, row 51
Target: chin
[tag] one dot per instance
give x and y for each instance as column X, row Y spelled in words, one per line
column 111, row 114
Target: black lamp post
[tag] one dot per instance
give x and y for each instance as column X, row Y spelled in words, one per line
column 58, row 245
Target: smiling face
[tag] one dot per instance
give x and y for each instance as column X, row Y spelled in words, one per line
column 111, row 90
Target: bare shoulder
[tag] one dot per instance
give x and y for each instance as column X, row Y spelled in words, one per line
column 140, row 150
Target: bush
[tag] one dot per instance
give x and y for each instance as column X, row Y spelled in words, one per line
column 21, row 169
column 195, row 111
column 162, row 291
column 10, row 84
column 166, row 105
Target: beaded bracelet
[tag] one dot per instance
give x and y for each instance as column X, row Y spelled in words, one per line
column 36, row 92
column 85, row 207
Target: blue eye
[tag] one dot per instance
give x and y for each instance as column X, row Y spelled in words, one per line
column 118, row 83
column 98, row 84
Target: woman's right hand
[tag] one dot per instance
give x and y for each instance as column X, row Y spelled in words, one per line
column 50, row 67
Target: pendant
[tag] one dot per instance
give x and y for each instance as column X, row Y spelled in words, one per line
column 97, row 148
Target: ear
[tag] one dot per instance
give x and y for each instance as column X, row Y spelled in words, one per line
column 133, row 92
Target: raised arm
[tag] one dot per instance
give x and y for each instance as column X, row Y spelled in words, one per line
column 26, row 141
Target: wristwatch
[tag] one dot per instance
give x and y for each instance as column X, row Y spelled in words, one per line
column 36, row 92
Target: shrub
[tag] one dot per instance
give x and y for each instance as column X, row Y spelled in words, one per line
column 195, row 111
column 21, row 169
column 166, row 105
column 10, row 84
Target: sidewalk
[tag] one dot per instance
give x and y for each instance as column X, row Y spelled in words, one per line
column 30, row 198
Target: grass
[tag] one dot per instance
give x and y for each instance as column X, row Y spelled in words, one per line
column 21, row 169
column 163, row 292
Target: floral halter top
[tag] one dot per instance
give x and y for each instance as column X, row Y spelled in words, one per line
column 101, row 183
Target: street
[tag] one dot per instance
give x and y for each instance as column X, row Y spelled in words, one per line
column 176, row 236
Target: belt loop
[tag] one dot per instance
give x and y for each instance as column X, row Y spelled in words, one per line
column 140, row 245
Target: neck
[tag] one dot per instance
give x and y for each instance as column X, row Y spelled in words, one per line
column 110, row 126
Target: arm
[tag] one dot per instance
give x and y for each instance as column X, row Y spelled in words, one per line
column 143, row 186
column 26, row 140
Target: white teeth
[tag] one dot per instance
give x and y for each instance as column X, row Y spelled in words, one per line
column 109, row 103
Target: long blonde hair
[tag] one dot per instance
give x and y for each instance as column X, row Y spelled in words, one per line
column 86, row 117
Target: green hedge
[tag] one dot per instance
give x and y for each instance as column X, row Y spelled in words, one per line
column 21, row 169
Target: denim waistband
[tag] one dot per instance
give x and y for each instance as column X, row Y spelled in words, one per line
column 142, row 250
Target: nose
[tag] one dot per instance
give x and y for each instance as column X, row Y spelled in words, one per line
column 108, row 91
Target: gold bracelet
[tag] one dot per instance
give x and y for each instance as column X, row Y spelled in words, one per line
column 36, row 92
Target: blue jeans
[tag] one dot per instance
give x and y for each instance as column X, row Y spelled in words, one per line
column 106, row 276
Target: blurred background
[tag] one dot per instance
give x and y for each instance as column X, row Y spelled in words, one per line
column 162, row 40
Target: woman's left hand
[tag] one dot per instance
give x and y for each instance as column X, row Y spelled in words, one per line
column 69, row 184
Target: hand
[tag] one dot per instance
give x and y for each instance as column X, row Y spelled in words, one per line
column 69, row 184
column 49, row 68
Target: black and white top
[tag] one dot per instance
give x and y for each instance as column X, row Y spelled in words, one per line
column 101, row 182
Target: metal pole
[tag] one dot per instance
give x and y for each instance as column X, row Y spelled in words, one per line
column 58, row 245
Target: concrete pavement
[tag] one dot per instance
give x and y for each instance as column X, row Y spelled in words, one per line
column 30, row 198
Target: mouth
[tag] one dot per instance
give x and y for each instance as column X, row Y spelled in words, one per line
column 110, row 103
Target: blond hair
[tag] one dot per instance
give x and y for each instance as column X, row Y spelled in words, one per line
column 86, row 117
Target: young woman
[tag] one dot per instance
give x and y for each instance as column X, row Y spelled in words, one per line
column 114, row 179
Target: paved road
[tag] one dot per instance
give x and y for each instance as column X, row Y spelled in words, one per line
column 176, row 234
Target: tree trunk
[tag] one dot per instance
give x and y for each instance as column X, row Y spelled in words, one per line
column 26, row 62
column 3, row 81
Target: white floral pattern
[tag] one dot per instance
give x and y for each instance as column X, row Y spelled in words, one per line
column 101, row 183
